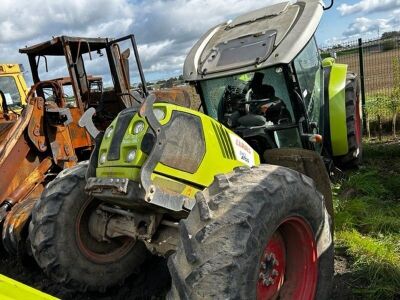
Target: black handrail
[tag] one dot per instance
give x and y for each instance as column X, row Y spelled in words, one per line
column 328, row 7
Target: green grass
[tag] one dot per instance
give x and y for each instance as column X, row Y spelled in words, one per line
column 367, row 222
column 376, row 264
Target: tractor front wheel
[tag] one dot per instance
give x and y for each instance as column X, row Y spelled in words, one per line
column 63, row 246
column 264, row 233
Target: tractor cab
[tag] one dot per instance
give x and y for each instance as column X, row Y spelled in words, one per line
column 261, row 76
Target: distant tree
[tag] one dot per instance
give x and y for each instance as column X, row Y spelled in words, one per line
column 376, row 107
column 389, row 44
column 338, row 46
column 180, row 77
column 390, row 34
column 169, row 83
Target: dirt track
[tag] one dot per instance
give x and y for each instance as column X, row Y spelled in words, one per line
column 378, row 68
column 139, row 286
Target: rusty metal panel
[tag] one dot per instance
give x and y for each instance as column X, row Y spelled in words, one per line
column 11, row 165
column 121, row 75
column 61, row 146
column 13, row 134
column 79, row 136
column 178, row 96
column 35, row 178
column 36, row 125
column 5, row 127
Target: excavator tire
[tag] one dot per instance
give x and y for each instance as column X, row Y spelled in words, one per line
column 63, row 247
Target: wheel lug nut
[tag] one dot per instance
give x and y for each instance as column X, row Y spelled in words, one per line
column 268, row 281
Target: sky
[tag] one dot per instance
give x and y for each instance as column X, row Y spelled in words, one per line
column 165, row 29
column 349, row 20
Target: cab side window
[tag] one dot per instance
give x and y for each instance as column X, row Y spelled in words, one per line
column 309, row 75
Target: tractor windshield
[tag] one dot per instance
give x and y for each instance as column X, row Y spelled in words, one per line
column 251, row 101
column 222, row 94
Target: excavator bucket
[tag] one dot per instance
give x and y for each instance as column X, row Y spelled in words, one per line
column 24, row 163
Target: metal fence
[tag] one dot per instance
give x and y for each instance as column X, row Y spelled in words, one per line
column 380, row 78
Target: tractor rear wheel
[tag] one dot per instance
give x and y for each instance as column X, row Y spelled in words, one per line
column 265, row 234
column 63, row 246
column 354, row 124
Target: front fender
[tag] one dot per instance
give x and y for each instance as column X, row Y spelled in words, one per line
column 335, row 85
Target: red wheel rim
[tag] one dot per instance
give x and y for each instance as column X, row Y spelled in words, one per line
column 288, row 266
column 98, row 252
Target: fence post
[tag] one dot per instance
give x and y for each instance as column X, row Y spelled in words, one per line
column 361, row 59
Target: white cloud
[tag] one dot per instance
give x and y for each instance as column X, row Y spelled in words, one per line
column 152, row 51
column 369, row 6
column 171, row 64
column 366, row 26
column 334, row 41
column 27, row 19
column 165, row 29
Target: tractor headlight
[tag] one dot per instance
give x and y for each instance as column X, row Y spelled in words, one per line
column 159, row 113
column 139, row 126
column 131, row 155
column 109, row 132
column 102, row 159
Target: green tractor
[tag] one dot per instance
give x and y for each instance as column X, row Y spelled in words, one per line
column 238, row 197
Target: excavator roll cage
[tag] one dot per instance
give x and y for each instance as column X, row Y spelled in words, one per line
column 73, row 49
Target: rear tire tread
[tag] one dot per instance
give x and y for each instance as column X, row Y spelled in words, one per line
column 231, row 214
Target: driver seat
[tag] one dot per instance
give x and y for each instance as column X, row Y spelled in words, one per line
column 251, row 120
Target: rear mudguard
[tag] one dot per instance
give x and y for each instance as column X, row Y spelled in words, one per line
column 335, row 135
column 306, row 162
column 13, row 290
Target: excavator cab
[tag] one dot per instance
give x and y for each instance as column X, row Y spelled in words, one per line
column 109, row 97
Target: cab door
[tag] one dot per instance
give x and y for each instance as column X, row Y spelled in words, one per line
column 310, row 74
